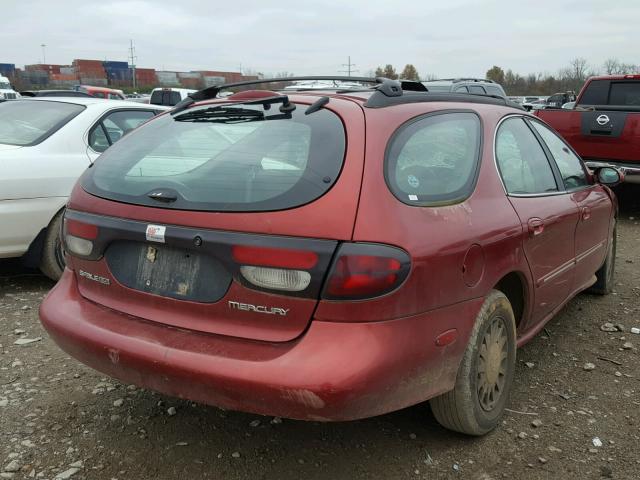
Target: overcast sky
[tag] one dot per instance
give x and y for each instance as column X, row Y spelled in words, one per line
column 443, row 37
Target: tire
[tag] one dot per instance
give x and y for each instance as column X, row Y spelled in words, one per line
column 52, row 260
column 477, row 402
column 604, row 276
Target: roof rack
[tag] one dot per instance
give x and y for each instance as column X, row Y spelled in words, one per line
column 386, row 86
column 462, row 79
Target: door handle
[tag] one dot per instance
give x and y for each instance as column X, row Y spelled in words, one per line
column 536, row 226
column 586, row 213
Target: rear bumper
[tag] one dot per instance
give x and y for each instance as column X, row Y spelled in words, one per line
column 631, row 170
column 335, row 371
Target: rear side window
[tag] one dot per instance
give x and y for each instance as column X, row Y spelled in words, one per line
column 31, row 122
column 434, row 159
column 523, row 165
column 224, row 158
column 493, row 90
column 476, row 89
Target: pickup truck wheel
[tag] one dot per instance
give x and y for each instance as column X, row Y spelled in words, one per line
column 604, row 282
column 52, row 261
column 477, row 402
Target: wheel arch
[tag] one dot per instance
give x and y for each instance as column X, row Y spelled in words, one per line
column 32, row 257
column 515, row 287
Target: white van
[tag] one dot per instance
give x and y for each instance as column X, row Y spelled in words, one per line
column 6, row 90
column 169, row 96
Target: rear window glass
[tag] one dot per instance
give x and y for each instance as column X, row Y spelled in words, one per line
column 169, row 98
column 29, row 122
column 434, row 159
column 625, row 93
column 224, row 158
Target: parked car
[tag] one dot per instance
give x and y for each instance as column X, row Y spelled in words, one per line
column 6, row 90
column 466, row 85
column 604, row 125
column 45, row 144
column 261, row 253
column 539, row 104
column 557, row 100
column 101, row 92
column 169, row 96
column 54, row 93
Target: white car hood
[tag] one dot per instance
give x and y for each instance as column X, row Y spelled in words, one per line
column 4, row 146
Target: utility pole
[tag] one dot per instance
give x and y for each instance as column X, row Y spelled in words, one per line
column 348, row 65
column 44, row 58
column 133, row 57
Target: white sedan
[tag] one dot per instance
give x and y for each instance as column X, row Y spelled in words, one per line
column 45, row 145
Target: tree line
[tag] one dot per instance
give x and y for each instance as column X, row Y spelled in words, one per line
column 570, row 78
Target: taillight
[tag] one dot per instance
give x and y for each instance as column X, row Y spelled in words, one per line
column 366, row 270
column 78, row 237
column 275, row 268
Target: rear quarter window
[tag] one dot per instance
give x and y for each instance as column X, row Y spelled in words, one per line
column 434, row 159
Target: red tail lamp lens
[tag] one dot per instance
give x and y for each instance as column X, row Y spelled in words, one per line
column 274, row 257
column 81, row 229
column 362, row 276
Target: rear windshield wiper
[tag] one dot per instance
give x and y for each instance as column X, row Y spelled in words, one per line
column 221, row 114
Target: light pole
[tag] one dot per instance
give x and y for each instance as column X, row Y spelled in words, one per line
column 44, row 58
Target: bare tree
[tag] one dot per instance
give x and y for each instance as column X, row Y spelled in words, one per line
column 579, row 67
column 611, row 66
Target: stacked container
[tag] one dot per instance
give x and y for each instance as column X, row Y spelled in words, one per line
column 167, row 79
column 118, row 73
column 146, row 77
column 90, row 72
column 7, row 69
column 63, row 80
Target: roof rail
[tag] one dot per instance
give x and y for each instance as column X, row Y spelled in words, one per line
column 386, row 86
column 463, row 79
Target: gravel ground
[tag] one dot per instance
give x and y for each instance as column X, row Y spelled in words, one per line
column 573, row 412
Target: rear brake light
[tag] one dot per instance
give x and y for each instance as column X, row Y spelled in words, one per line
column 366, row 270
column 78, row 237
column 274, row 257
column 81, row 229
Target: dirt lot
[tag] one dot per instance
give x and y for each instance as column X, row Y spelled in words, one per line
column 59, row 418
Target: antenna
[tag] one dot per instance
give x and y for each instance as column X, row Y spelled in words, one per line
column 349, row 70
column 44, row 58
column 133, row 57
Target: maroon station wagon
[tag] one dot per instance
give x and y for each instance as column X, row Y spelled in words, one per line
column 330, row 255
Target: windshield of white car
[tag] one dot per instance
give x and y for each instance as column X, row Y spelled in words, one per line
column 5, row 86
column 27, row 122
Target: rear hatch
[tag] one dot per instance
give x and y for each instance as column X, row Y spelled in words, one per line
column 221, row 219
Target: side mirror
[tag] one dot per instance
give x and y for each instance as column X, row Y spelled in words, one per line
column 609, row 176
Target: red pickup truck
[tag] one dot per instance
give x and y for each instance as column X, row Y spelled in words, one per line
column 604, row 125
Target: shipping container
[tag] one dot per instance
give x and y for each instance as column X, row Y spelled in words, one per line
column 194, row 83
column 212, row 80
column 118, row 65
column 35, row 78
column 67, row 70
column 167, row 79
column 93, row 81
column 7, row 69
column 43, row 67
column 197, row 75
